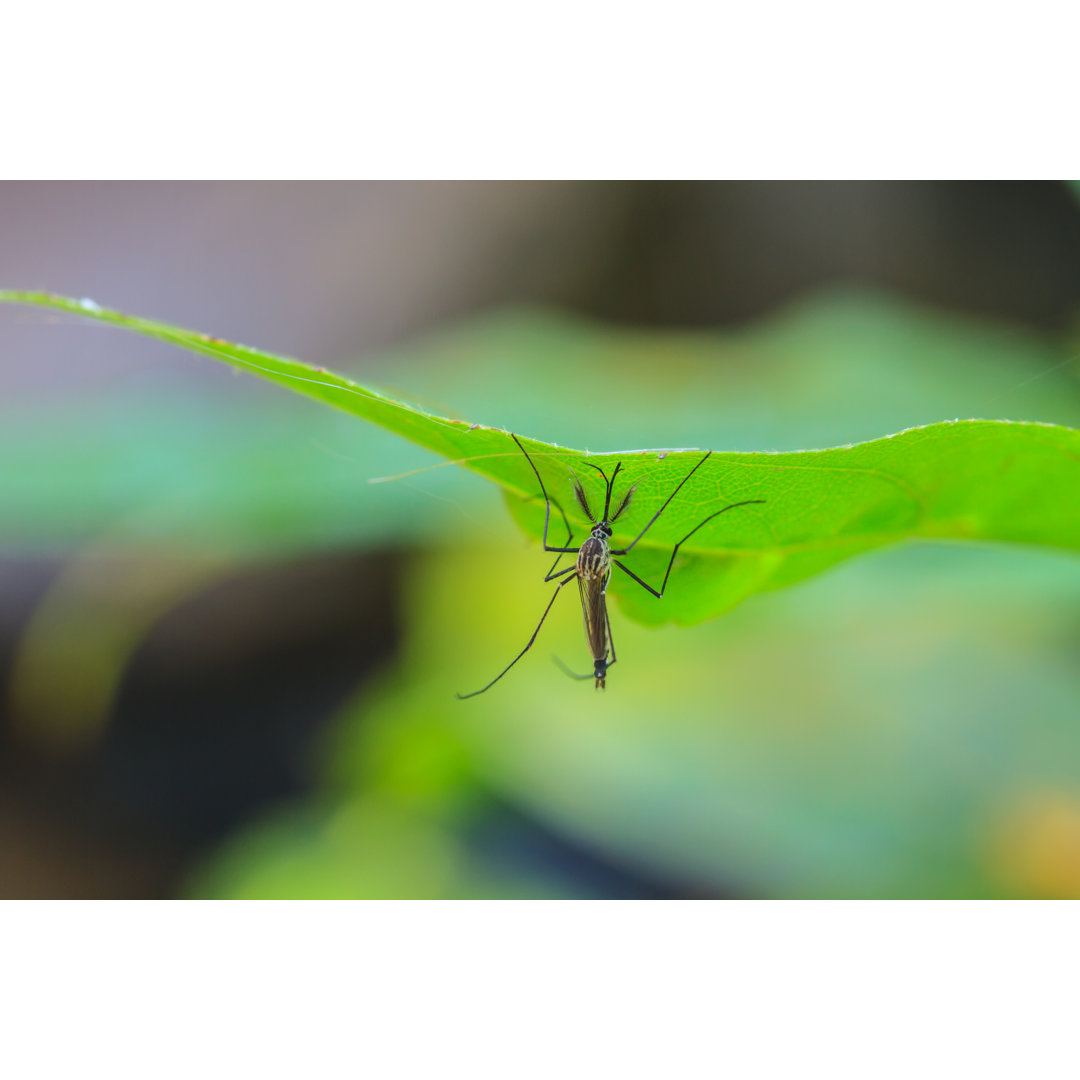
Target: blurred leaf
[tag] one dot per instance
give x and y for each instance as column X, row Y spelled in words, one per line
column 72, row 656
column 246, row 479
column 371, row 848
column 968, row 480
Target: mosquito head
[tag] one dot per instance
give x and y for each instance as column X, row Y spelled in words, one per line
column 601, row 531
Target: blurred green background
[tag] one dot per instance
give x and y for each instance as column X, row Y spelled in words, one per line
column 228, row 660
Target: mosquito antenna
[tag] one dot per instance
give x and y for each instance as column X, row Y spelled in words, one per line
column 597, row 468
column 625, row 502
column 611, row 484
column 582, row 498
column 607, row 489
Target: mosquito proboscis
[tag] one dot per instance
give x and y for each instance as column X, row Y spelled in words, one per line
column 595, row 560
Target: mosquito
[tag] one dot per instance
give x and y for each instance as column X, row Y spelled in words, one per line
column 595, row 559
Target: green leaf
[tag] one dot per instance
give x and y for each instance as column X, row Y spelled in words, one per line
column 961, row 480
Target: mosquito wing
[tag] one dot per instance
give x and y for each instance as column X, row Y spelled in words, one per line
column 594, row 612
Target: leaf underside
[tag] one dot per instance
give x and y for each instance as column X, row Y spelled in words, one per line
column 990, row 480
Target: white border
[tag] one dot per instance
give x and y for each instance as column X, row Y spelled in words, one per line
column 539, row 989
column 585, row 89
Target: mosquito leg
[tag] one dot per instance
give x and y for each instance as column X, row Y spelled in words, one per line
column 569, row 542
column 547, row 503
column 558, row 589
column 543, row 490
column 671, row 562
column 566, row 570
column 611, row 640
column 630, row 547
column 548, row 500
column 645, row 584
column 572, row 674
